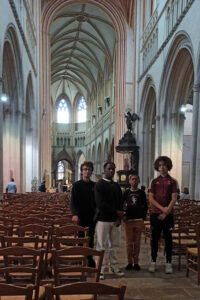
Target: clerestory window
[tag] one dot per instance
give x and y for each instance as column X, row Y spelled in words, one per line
column 62, row 112
column 82, row 110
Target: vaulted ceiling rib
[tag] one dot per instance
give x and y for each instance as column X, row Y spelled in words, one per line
column 82, row 43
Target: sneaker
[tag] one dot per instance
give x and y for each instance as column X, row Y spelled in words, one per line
column 101, row 277
column 136, row 267
column 116, row 272
column 152, row 267
column 129, row 267
column 168, row 268
column 91, row 263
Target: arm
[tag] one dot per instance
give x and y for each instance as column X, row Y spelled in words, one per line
column 170, row 206
column 74, row 205
column 156, row 204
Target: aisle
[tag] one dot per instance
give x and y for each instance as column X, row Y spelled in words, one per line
column 142, row 285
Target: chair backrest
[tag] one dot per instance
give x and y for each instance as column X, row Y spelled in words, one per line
column 85, row 288
column 21, row 265
column 43, row 232
column 13, row 290
column 10, row 241
column 70, row 264
column 71, row 230
column 66, row 242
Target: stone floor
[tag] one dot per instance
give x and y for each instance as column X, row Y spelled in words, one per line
column 142, row 285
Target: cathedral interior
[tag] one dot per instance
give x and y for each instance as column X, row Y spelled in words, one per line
column 71, row 74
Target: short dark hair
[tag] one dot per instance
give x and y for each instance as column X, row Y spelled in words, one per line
column 88, row 164
column 109, row 163
column 12, row 179
column 133, row 174
column 167, row 161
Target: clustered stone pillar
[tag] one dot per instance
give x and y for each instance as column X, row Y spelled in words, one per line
column 1, row 143
column 195, row 167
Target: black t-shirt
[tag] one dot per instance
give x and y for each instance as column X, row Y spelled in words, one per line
column 135, row 204
column 82, row 202
column 108, row 196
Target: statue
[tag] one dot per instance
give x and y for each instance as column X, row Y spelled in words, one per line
column 130, row 118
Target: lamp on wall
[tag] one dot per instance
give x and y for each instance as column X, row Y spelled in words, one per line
column 4, row 98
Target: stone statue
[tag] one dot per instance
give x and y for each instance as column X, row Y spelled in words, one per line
column 130, row 118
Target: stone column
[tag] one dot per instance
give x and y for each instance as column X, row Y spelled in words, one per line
column 195, row 168
column 1, row 143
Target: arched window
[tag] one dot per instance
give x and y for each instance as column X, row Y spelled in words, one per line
column 82, row 110
column 62, row 112
column 60, row 170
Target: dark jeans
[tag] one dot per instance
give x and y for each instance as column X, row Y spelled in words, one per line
column 90, row 233
column 157, row 226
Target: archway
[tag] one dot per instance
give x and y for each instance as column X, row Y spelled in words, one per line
column 147, row 149
column 12, row 111
column 176, row 90
column 118, row 21
column 30, row 120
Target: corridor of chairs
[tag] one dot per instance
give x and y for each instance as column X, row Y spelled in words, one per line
column 42, row 257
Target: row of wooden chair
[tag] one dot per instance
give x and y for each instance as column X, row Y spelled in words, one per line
column 82, row 288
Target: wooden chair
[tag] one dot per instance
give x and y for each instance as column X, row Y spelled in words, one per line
column 193, row 256
column 181, row 238
column 84, row 290
column 70, row 264
column 21, row 266
column 11, row 291
column 44, row 235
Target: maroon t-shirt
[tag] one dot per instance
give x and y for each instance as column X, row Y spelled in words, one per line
column 162, row 188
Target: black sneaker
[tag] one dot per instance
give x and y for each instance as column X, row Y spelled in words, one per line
column 136, row 267
column 91, row 263
column 129, row 267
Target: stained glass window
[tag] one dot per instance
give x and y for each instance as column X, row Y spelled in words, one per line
column 60, row 170
column 62, row 112
column 82, row 110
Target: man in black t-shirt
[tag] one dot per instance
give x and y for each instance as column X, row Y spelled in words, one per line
column 83, row 203
column 108, row 198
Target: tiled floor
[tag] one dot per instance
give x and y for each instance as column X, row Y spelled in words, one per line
column 142, row 285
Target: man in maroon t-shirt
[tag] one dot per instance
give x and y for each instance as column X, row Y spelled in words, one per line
column 162, row 197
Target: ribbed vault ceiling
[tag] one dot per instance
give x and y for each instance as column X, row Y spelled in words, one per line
column 82, row 44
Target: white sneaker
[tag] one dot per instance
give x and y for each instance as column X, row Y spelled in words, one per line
column 152, row 267
column 168, row 268
column 101, row 277
column 116, row 272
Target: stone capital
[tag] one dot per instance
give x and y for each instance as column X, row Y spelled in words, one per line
column 196, row 88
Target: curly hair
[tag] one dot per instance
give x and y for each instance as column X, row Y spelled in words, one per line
column 88, row 164
column 109, row 163
column 167, row 161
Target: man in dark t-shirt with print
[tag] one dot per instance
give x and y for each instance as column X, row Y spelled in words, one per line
column 162, row 197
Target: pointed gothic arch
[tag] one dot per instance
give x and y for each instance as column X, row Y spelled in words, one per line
column 118, row 21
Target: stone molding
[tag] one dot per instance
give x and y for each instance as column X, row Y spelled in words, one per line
column 13, row 7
